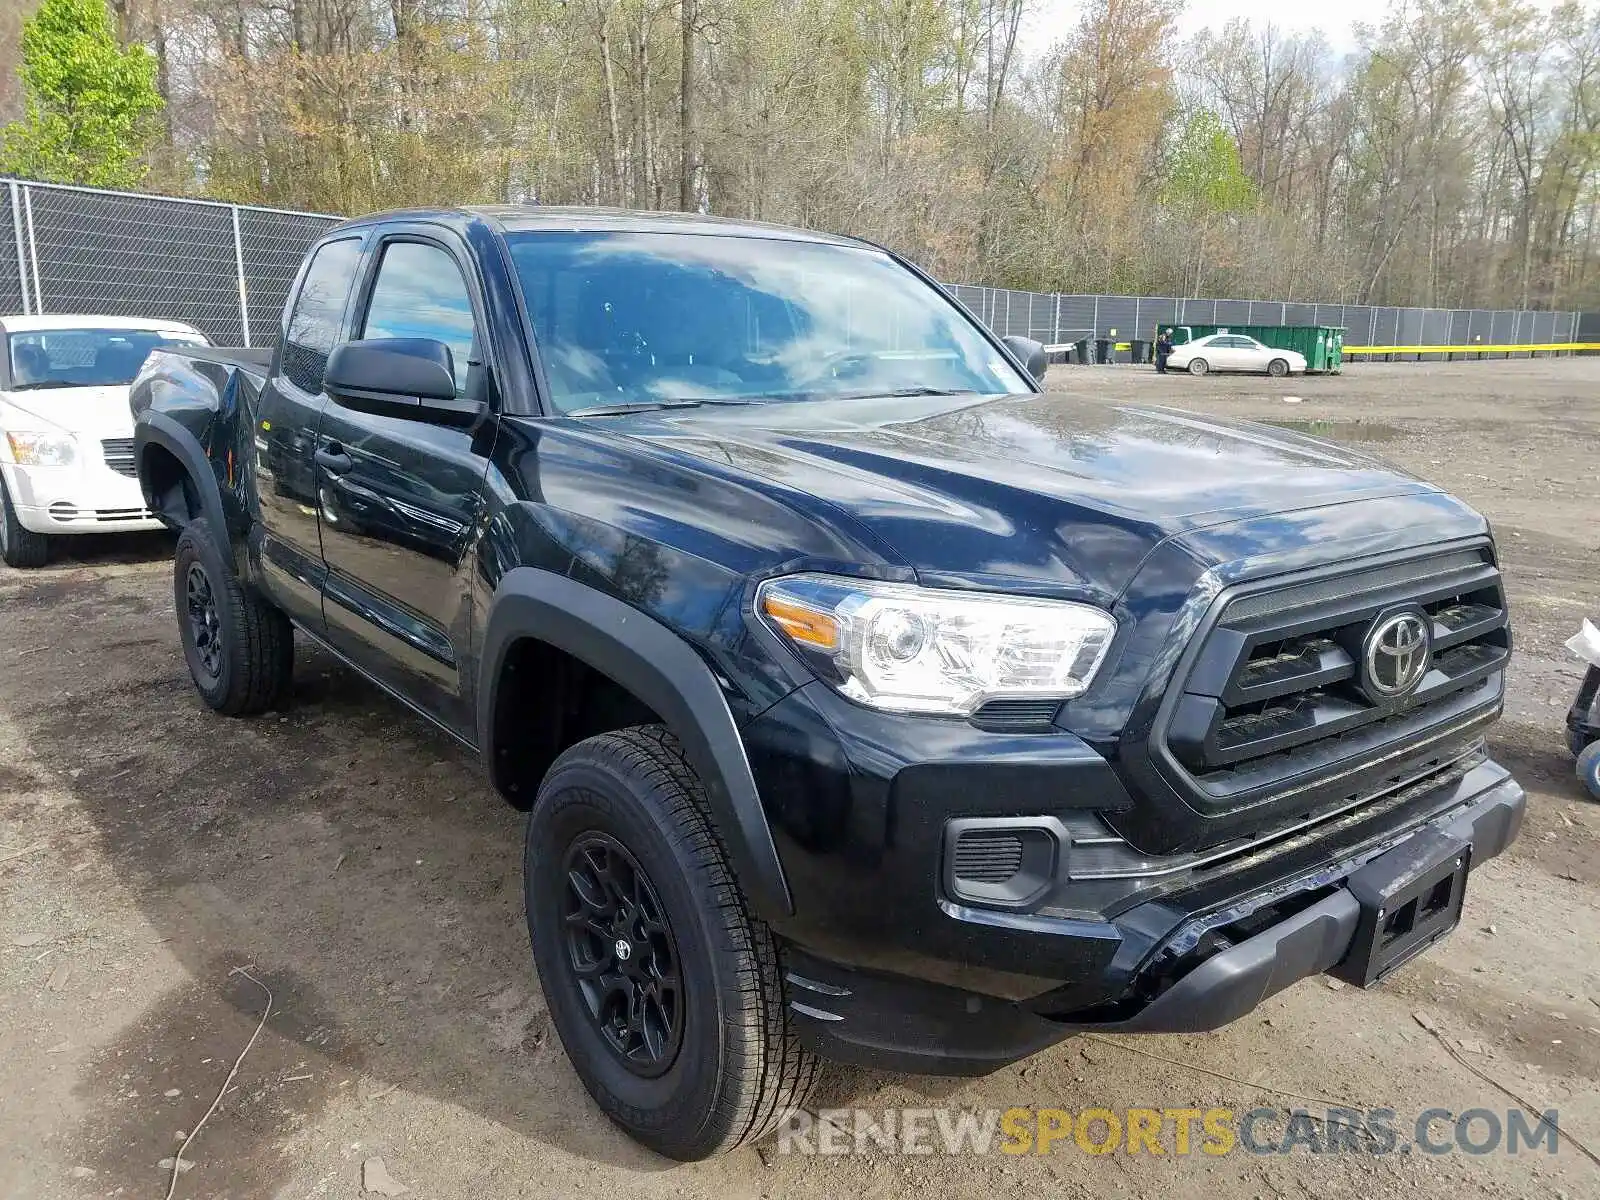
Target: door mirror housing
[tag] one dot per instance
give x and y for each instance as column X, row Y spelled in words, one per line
column 399, row 377
column 1031, row 353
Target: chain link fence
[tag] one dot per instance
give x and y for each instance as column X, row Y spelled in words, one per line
column 224, row 268
column 1061, row 319
column 227, row 269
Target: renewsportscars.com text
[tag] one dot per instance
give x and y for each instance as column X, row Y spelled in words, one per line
column 1168, row 1131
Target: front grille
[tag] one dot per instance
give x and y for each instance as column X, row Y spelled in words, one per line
column 63, row 510
column 118, row 454
column 1278, row 691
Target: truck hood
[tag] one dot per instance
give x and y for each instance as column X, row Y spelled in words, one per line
column 1047, row 492
column 88, row 412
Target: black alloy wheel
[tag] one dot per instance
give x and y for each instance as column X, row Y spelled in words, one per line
column 205, row 625
column 623, row 954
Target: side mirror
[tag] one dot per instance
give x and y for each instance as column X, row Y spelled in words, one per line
column 399, row 377
column 1031, row 353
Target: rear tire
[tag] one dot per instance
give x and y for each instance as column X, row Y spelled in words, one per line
column 19, row 547
column 666, row 992
column 1277, row 368
column 240, row 648
column 1198, row 366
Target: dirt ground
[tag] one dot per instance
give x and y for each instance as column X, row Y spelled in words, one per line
column 358, row 866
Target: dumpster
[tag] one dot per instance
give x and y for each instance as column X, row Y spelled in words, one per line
column 1322, row 345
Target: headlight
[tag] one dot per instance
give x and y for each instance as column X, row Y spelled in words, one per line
column 40, row 449
column 908, row 649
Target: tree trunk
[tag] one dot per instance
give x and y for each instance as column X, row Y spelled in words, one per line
column 163, row 78
column 618, row 175
column 686, row 174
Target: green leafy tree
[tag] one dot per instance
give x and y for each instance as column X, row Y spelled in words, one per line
column 1206, row 188
column 89, row 103
column 1205, row 175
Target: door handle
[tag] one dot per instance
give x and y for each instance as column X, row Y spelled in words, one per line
column 334, row 462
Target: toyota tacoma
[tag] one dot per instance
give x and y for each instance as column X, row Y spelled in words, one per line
column 868, row 701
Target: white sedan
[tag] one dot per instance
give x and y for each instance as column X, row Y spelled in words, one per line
column 1234, row 352
column 66, row 435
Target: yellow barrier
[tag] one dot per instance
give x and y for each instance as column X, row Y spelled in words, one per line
column 1471, row 349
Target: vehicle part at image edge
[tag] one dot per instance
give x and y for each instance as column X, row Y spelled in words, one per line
column 737, row 1066
column 1589, row 769
column 19, row 547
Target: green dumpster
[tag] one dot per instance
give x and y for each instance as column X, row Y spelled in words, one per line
column 1322, row 345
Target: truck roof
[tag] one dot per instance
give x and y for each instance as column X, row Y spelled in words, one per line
column 517, row 218
column 17, row 323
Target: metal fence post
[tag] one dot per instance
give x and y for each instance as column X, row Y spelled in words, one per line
column 238, row 262
column 33, row 250
column 1096, row 317
column 22, row 266
column 1055, row 323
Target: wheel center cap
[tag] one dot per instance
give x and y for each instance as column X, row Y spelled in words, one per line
column 624, row 949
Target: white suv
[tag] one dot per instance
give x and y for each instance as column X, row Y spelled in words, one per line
column 66, row 436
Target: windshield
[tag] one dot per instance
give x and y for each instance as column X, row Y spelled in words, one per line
column 62, row 358
column 653, row 318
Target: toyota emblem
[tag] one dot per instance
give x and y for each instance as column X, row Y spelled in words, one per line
column 1396, row 655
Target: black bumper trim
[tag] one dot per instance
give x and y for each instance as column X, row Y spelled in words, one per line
column 891, row 1022
column 1229, row 984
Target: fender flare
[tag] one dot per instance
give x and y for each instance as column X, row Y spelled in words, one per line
column 641, row 654
column 160, row 429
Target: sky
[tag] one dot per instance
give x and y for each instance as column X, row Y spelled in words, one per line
column 1051, row 19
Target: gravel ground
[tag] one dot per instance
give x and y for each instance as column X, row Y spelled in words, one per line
column 359, row 867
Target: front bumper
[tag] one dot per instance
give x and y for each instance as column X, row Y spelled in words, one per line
column 890, row 1022
column 85, row 497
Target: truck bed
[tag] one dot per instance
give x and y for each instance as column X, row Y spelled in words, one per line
column 256, row 359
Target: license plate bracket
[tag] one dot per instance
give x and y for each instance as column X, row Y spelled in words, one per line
column 1410, row 898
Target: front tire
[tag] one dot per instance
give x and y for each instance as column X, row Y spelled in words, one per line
column 1277, row 368
column 666, row 992
column 1198, row 366
column 240, row 648
column 19, row 547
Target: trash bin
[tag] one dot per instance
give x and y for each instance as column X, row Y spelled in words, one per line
column 1141, row 350
column 1102, row 350
column 1080, row 351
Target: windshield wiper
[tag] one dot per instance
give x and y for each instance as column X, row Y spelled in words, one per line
column 637, row 406
column 34, row 384
column 896, row 393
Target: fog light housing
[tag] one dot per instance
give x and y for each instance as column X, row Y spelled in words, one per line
column 1002, row 862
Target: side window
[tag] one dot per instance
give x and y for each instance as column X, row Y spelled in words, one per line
column 419, row 293
column 314, row 320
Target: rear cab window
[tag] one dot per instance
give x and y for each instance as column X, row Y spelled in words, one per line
column 314, row 321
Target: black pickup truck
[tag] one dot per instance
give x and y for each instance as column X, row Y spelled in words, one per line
column 868, row 701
